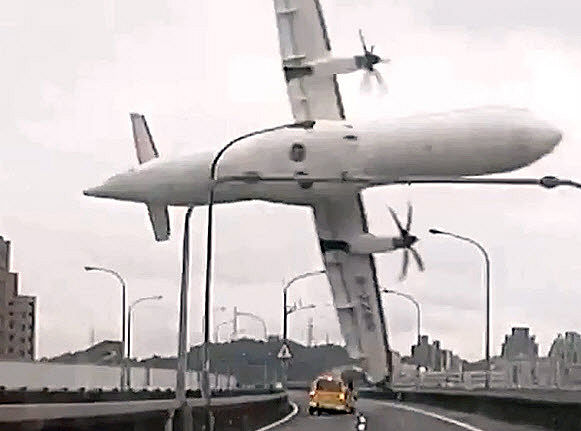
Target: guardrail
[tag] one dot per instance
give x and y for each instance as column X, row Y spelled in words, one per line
column 466, row 380
column 543, row 373
column 551, row 409
column 298, row 385
column 24, row 396
column 241, row 412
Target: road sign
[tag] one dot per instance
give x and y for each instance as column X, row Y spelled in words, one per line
column 284, row 352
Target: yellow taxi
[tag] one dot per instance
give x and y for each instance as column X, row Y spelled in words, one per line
column 331, row 394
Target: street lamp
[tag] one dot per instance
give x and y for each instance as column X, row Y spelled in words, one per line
column 129, row 318
column 286, row 311
column 123, row 323
column 183, row 321
column 487, row 277
column 298, row 307
column 217, row 330
column 285, row 308
column 255, row 317
column 209, row 252
column 412, row 299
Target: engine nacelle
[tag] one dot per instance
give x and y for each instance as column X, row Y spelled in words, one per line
column 366, row 243
column 369, row 243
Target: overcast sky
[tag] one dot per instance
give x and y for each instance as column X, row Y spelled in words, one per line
column 204, row 72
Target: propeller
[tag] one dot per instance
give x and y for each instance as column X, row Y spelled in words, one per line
column 406, row 241
column 367, row 61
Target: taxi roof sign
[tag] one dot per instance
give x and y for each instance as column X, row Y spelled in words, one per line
column 284, row 352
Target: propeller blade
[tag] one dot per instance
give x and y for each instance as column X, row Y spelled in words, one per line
column 366, row 83
column 418, row 258
column 405, row 264
column 380, row 81
column 362, row 40
column 396, row 220
column 410, row 215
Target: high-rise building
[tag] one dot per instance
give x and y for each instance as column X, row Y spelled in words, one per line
column 17, row 313
column 567, row 349
column 520, row 345
column 433, row 357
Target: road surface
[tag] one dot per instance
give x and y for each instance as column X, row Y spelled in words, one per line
column 393, row 416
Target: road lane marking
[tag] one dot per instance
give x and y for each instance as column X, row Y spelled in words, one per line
column 283, row 420
column 434, row 415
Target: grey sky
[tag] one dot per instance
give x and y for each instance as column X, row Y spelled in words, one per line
column 202, row 72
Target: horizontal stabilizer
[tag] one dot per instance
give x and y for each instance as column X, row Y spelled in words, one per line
column 159, row 221
column 144, row 145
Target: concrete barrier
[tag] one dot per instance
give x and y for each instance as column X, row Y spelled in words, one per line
column 299, row 385
column 53, row 376
column 243, row 412
column 556, row 410
column 246, row 414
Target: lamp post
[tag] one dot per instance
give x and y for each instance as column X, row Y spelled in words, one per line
column 412, row 299
column 285, row 308
column 209, row 252
column 217, row 330
column 286, row 311
column 123, row 323
column 487, row 278
column 129, row 319
column 185, row 421
column 252, row 316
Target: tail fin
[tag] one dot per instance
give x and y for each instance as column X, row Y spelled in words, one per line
column 145, row 149
column 159, row 221
column 144, row 145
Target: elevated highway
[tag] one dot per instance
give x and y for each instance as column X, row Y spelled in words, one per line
column 384, row 415
column 443, row 410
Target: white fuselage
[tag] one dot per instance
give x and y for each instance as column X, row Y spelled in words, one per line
column 460, row 143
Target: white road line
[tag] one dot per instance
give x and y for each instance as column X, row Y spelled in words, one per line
column 283, row 420
column 434, row 415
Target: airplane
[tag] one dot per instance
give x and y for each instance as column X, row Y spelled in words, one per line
column 327, row 162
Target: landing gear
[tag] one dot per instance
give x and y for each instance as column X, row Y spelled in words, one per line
column 312, row 411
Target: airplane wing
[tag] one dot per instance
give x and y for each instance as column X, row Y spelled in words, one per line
column 354, row 284
column 303, row 40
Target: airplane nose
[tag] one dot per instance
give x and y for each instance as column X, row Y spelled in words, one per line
column 542, row 136
column 554, row 136
column 93, row 191
column 112, row 188
column 98, row 191
column 547, row 138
